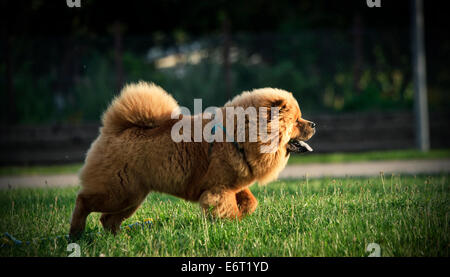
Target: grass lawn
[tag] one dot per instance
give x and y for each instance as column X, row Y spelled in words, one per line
column 405, row 215
column 40, row 170
column 370, row 156
column 294, row 159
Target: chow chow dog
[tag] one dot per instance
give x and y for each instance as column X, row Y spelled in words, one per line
column 135, row 154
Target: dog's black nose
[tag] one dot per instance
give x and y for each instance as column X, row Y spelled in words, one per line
column 312, row 124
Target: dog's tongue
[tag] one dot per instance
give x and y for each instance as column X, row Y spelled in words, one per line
column 298, row 146
column 305, row 147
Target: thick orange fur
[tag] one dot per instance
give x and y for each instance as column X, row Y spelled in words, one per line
column 135, row 154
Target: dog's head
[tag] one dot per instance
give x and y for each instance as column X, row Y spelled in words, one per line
column 303, row 130
column 296, row 129
column 293, row 129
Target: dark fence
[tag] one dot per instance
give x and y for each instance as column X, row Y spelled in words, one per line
column 57, row 144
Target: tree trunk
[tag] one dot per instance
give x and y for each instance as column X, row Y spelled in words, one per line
column 358, row 51
column 226, row 56
column 420, row 76
column 118, row 54
column 9, row 74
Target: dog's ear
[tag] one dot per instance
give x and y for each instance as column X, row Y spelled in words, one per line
column 276, row 103
column 280, row 103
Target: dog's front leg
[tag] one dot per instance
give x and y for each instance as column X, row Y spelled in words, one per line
column 220, row 203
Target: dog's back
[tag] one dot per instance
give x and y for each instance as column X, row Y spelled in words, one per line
column 134, row 151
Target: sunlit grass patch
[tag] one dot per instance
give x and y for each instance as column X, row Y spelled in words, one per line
column 405, row 215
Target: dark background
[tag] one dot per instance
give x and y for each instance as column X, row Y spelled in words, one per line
column 344, row 62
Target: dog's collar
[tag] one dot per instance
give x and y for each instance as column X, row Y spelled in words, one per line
column 236, row 145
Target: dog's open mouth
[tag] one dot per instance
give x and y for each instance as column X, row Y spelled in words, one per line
column 298, row 146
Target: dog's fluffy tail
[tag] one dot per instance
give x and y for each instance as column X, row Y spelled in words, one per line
column 142, row 104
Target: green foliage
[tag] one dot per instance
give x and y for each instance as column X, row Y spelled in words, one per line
column 318, row 67
column 94, row 91
column 34, row 96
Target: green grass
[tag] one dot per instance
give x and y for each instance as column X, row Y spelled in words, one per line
column 369, row 156
column 294, row 159
column 40, row 170
column 406, row 216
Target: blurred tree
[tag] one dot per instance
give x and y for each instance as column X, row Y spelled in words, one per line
column 117, row 30
column 358, row 50
column 226, row 45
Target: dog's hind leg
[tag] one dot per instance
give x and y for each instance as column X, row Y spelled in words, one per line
column 112, row 221
column 246, row 202
column 221, row 204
